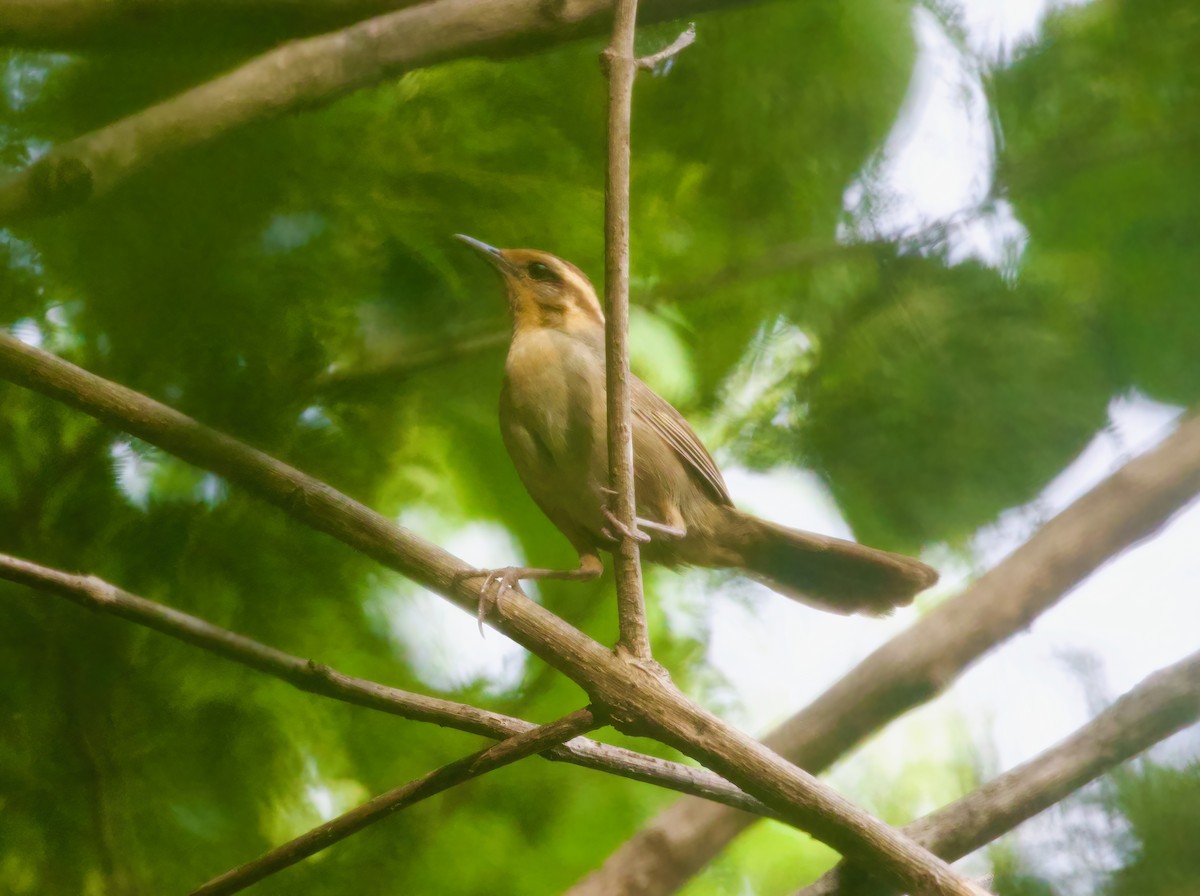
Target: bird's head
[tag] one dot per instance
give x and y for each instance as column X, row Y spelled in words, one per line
column 543, row 290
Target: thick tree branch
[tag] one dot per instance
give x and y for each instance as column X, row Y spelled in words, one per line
column 515, row 748
column 620, row 67
column 88, row 23
column 316, row 678
column 302, row 74
column 635, row 698
column 919, row 663
column 81, row 23
column 1166, row 702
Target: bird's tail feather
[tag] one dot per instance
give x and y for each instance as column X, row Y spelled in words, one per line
column 828, row 573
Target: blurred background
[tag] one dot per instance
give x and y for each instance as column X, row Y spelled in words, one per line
column 920, row 273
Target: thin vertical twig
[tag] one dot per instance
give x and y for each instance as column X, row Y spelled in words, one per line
column 620, row 66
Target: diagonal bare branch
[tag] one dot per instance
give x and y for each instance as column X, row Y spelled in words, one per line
column 636, row 699
column 304, row 73
column 515, row 748
column 1166, row 702
column 919, row 663
column 316, row 678
column 83, row 23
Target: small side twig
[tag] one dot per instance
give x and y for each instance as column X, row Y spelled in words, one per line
column 517, row 747
column 673, row 49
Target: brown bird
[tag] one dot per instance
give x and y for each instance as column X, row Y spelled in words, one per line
column 553, row 419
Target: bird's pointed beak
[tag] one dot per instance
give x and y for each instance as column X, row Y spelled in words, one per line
column 490, row 253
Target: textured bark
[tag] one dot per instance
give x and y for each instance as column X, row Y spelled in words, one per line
column 635, row 698
column 305, row 73
column 919, row 663
column 1163, row 704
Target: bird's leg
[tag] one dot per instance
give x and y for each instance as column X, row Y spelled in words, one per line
column 507, row 577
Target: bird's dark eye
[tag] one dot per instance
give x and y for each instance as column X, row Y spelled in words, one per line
column 539, row 271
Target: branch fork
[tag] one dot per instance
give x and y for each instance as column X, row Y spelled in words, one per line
column 625, row 683
column 667, row 714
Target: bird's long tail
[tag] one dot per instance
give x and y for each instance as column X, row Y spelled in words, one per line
column 827, row 573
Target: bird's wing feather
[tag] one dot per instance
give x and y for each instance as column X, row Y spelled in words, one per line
column 658, row 414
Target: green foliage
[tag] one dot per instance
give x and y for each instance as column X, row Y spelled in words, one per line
column 1162, row 807
column 230, row 279
column 893, row 401
column 769, row 858
column 226, row 281
column 1101, row 135
column 1010, row 878
column 1155, row 810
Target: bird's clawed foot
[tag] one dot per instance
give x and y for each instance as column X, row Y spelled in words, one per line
column 635, row 534
column 495, row 583
column 617, row 525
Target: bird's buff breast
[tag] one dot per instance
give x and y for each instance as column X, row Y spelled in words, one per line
column 552, row 417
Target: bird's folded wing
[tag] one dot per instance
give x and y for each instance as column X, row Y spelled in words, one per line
column 656, row 413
